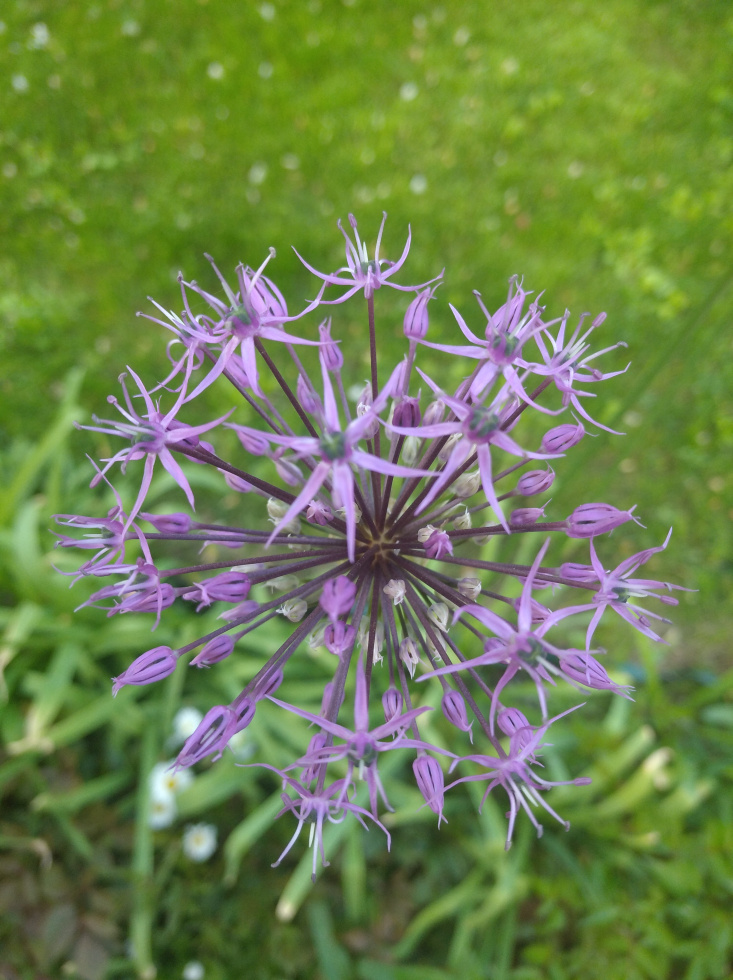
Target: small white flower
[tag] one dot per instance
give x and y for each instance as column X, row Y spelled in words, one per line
column 199, row 841
column 165, row 781
column 193, row 971
column 40, row 36
column 185, row 723
column 163, row 811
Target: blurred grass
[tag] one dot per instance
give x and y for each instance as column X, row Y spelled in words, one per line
column 586, row 146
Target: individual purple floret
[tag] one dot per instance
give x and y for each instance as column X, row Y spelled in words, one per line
column 362, row 524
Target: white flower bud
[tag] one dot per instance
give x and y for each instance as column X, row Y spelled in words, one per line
column 409, row 654
column 434, row 412
column 315, row 639
column 282, row 583
column 395, row 589
column 424, row 533
column 467, row 484
column 341, row 512
column 294, row 609
column 410, row 450
column 276, row 510
column 463, row 523
column 469, row 587
column 362, row 637
column 364, row 407
column 447, row 449
column 438, row 613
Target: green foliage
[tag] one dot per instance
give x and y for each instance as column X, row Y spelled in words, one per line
column 585, row 145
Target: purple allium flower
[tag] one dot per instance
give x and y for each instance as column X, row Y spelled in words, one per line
column 359, row 532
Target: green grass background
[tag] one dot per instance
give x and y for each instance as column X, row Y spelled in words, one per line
column 586, row 146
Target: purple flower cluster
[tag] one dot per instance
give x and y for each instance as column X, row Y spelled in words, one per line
column 378, row 520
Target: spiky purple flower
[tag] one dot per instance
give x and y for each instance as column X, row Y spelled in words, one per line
column 362, row 529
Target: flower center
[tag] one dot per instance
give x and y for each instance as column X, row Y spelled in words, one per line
column 481, row 424
column 333, row 445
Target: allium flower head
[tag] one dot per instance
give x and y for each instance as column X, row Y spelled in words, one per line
column 365, row 534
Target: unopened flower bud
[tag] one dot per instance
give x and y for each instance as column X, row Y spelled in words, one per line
column 241, row 612
column 583, row 668
column 227, row 587
column 330, row 352
column 431, row 783
column 282, row 583
column 438, row 613
column 288, row 471
column 315, row 638
column 169, row 523
column 406, row 413
column 469, row 587
column 447, row 449
column 364, row 408
column 582, row 574
column 535, row 481
column 526, row 515
column 236, row 483
column 362, row 636
column 212, row 735
column 276, row 510
column 424, row 533
column 463, row 522
column 416, row 320
column 256, row 443
column 395, row 589
column 269, row 685
column 294, row 609
column 409, row 654
column 513, row 723
column 214, row 651
column 392, row 702
column 590, row 519
column 244, row 712
column 306, row 396
column 466, row 484
column 341, row 512
column 434, row 412
column 562, row 437
column 454, row 709
column 151, row 666
column 410, row 450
